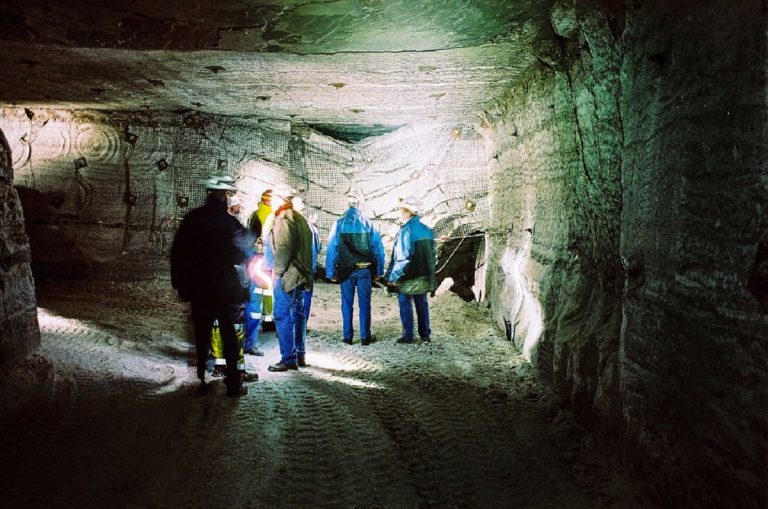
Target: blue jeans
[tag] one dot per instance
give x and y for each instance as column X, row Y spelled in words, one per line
column 307, row 307
column 290, row 322
column 360, row 279
column 422, row 315
column 253, row 310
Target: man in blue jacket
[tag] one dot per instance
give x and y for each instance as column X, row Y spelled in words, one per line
column 354, row 256
column 412, row 269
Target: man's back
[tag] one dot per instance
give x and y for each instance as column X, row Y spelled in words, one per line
column 206, row 248
column 413, row 260
column 354, row 240
column 291, row 243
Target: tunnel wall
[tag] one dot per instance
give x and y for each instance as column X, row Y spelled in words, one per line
column 694, row 339
column 554, row 150
column 105, row 192
column 628, row 237
column 19, row 330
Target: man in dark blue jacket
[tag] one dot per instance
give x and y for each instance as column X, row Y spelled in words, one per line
column 412, row 270
column 354, row 256
column 207, row 250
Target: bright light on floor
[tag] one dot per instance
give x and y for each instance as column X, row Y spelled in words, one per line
column 344, row 380
column 85, row 346
column 333, row 362
column 50, row 322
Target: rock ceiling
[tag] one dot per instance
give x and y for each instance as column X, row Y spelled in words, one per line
column 355, row 62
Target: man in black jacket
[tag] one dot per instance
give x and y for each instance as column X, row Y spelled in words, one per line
column 207, row 250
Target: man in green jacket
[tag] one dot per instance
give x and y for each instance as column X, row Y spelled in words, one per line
column 289, row 252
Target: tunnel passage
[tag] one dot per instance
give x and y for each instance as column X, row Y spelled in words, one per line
column 459, row 257
column 614, row 153
column 98, row 188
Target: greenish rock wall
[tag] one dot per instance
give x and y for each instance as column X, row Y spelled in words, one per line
column 627, row 248
column 555, row 154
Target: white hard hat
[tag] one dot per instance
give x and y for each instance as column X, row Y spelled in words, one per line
column 220, row 182
column 284, row 191
column 412, row 204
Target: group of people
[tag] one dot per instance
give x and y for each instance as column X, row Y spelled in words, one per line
column 232, row 274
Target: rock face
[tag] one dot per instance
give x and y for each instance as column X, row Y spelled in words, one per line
column 628, row 207
column 340, row 61
column 556, row 205
column 98, row 187
column 19, row 331
column 694, row 339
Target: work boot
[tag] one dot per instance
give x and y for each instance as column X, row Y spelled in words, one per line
column 347, row 341
column 302, row 363
column 248, row 377
column 404, row 340
column 204, row 388
column 255, row 351
column 280, row 367
column 218, row 371
column 236, row 392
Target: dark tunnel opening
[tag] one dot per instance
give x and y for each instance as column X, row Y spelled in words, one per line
column 457, row 259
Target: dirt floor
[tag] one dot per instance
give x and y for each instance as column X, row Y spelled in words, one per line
column 106, row 415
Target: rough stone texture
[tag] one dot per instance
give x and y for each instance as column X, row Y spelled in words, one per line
column 275, row 26
column 19, row 331
column 555, row 159
column 694, row 340
column 93, row 196
column 389, row 88
column 629, row 213
column 333, row 62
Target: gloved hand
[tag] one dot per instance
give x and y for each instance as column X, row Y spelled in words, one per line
column 392, row 287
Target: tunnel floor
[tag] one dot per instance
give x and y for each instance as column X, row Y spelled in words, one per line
column 106, row 413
